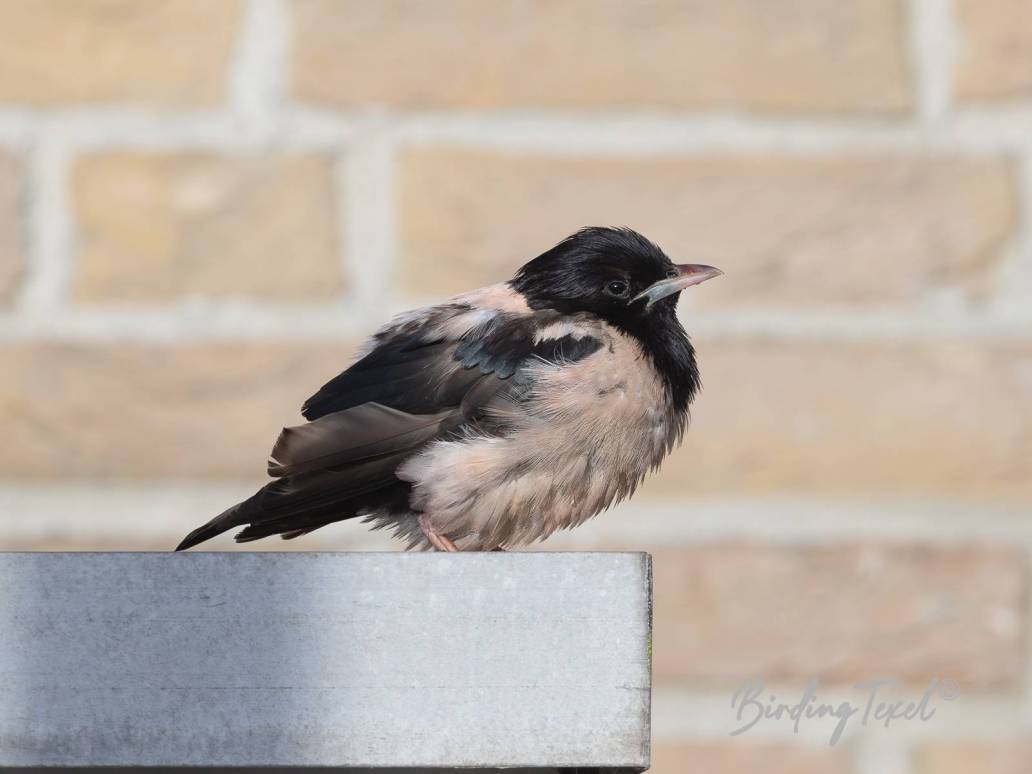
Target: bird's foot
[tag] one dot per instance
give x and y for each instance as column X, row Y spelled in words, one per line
column 437, row 540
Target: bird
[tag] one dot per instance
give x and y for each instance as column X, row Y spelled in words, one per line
column 491, row 420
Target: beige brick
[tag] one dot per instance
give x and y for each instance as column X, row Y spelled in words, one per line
column 1008, row 756
column 802, row 231
column 125, row 410
column 156, row 227
column 11, row 252
column 737, row 756
column 825, row 55
column 726, row 613
column 937, row 419
column 159, row 51
column 995, row 49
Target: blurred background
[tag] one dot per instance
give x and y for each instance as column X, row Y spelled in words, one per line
column 206, row 204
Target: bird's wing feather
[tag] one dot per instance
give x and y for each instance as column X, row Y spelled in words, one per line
column 429, row 362
column 357, row 434
column 420, row 380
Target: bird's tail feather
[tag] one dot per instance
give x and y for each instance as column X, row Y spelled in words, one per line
column 278, row 508
column 231, row 517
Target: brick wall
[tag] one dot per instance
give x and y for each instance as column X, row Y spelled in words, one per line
column 204, row 204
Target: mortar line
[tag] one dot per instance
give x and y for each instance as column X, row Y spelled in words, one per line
column 975, row 130
column 881, row 754
column 367, row 219
column 16, row 129
column 48, row 271
column 932, row 48
column 791, row 521
column 258, row 69
column 812, row 520
column 643, row 134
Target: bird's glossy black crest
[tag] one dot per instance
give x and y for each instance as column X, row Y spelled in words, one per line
column 584, row 273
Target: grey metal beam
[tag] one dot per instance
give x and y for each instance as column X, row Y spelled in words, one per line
column 319, row 659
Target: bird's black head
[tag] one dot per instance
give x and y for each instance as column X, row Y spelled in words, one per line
column 615, row 273
column 625, row 279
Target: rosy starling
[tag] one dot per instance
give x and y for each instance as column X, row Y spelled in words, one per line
column 499, row 416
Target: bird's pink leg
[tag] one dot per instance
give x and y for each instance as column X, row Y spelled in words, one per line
column 437, row 540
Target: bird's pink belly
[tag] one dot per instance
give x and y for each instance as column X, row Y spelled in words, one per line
column 504, row 492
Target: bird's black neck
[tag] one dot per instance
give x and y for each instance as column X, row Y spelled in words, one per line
column 657, row 331
column 665, row 342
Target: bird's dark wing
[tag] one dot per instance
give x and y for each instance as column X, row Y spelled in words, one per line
column 416, row 369
column 424, row 379
column 361, row 433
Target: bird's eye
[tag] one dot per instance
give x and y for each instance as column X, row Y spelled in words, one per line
column 617, row 288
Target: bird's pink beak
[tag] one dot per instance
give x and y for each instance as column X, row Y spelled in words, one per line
column 688, row 274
